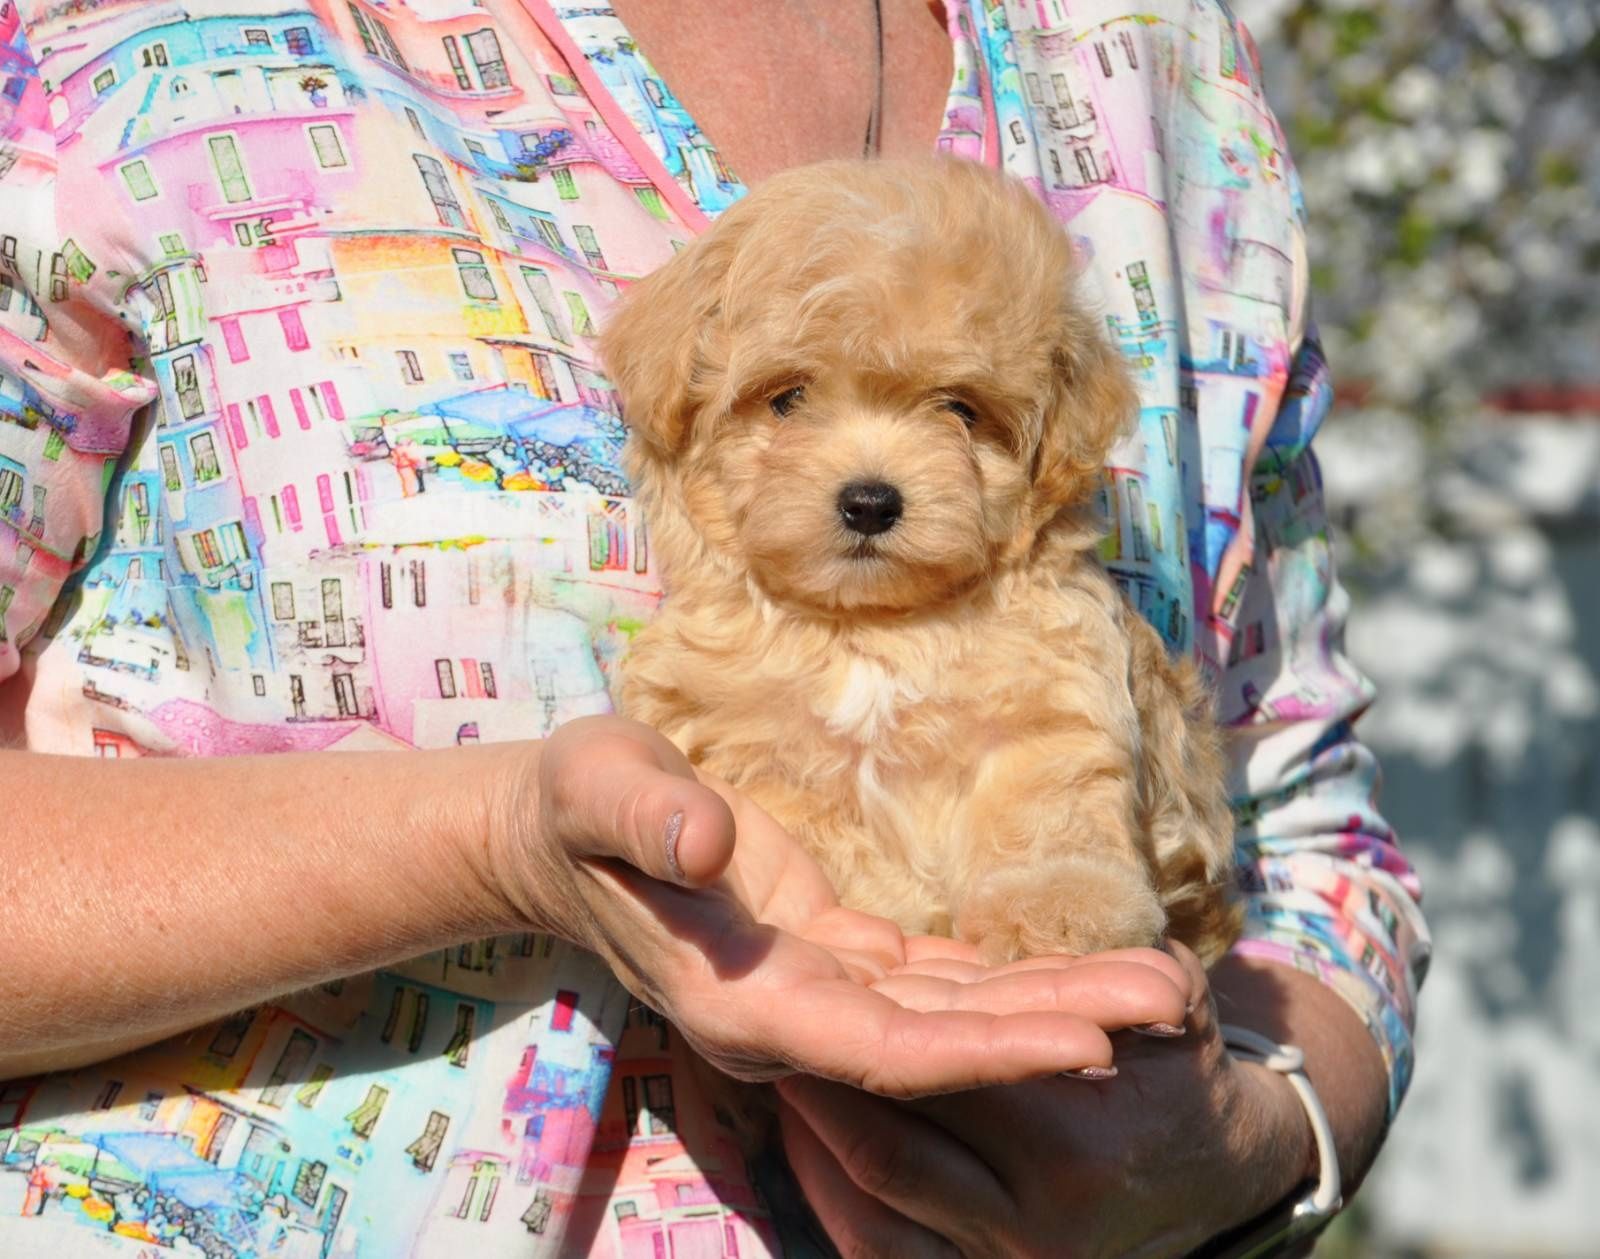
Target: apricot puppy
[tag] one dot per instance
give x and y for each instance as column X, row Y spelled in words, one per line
column 869, row 416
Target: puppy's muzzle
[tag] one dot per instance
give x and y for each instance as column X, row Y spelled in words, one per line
column 870, row 507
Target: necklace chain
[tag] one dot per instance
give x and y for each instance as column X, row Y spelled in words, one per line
column 873, row 145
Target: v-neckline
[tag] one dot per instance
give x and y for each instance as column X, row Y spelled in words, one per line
column 966, row 58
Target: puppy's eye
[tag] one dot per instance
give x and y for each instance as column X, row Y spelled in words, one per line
column 956, row 407
column 785, row 402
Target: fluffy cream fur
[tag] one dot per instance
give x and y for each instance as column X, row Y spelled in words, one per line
column 961, row 717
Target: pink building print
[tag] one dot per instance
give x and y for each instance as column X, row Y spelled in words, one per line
column 675, row 1179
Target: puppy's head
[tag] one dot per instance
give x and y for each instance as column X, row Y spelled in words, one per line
column 868, row 386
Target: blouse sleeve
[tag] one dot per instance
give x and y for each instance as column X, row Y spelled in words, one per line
column 67, row 391
column 1328, row 888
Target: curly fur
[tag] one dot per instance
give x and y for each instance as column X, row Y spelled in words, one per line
column 961, row 717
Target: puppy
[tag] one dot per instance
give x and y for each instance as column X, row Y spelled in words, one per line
column 869, row 416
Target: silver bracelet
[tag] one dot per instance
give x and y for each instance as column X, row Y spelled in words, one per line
column 1296, row 1218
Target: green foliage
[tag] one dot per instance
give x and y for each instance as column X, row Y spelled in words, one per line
column 1354, row 29
column 1452, row 183
column 1414, row 236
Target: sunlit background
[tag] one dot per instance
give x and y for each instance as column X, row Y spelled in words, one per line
column 1450, row 154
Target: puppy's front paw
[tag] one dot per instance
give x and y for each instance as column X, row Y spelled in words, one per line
column 1076, row 904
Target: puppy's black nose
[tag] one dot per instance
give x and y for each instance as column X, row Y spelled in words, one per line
column 870, row 507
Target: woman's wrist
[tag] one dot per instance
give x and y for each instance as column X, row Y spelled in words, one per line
column 1260, row 1152
column 472, row 838
column 1291, row 1222
column 523, row 879
column 1342, row 1062
column 1281, row 1148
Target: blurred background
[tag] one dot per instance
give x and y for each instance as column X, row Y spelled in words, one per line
column 1450, row 155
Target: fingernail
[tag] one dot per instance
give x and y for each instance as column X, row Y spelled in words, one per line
column 674, row 832
column 1156, row 1029
column 1090, row 1073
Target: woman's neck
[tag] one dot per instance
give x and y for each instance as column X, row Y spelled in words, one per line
column 789, row 82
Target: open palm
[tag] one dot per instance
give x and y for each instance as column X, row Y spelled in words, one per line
column 733, row 932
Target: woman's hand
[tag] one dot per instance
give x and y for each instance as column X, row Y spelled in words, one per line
column 1183, row 1144
column 710, row 912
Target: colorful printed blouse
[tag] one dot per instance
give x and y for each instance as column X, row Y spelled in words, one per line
column 303, row 446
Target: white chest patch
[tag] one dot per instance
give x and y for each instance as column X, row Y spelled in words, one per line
column 866, row 703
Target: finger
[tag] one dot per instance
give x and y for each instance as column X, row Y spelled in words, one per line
column 1112, row 995
column 842, row 1031
column 953, row 1050
column 964, row 968
column 1156, row 959
column 964, row 971
column 919, row 948
column 1202, row 1013
column 622, row 791
column 899, row 1161
column 864, row 968
column 956, row 970
column 856, row 1222
column 865, row 934
column 845, row 1032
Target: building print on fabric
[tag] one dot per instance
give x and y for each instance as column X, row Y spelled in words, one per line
column 438, row 356
column 1076, row 100
column 676, row 138
column 680, row 1186
column 255, row 1136
column 369, row 433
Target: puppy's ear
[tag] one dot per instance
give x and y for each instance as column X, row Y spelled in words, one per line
column 651, row 340
column 1093, row 403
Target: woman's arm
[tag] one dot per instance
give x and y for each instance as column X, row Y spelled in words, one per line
column 145, row 897
column 1345, row 1067
column 1332, row 900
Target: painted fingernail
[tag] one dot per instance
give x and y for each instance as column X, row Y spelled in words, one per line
column 674, row 832
column 1157, row 1029
column 1091, row 1073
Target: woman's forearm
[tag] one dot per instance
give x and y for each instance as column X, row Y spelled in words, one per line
column 144, row 897
column 1341, row 1061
